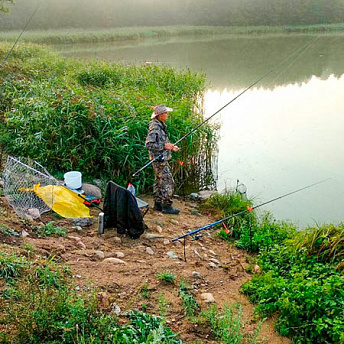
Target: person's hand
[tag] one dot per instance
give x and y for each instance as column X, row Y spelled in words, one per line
column 169, row 146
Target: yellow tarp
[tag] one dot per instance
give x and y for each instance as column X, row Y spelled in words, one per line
column 63, row 201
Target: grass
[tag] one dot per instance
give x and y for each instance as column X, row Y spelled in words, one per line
column 93, row 117
column 227, row 326
column 326, row 242
column 191, row 306
column 11, row 266
column 72, row 36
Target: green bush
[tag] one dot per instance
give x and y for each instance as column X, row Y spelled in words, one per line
column 305, row 292
column 264, row 232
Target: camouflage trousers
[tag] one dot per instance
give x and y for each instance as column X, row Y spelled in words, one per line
column 163, row 184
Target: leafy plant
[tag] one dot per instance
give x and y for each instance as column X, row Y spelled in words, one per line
column 11, row 266
column 8, row 231
column 166, row 277
column 145, row 293
column 49, row 229
column 191, row 306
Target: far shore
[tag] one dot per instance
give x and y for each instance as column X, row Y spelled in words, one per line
column 69, row 36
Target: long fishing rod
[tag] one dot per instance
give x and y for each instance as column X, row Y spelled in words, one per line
column 249, row 209
column 160, row 156
column 15, row 43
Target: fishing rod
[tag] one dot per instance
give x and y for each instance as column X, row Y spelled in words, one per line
column 160, row 156
column 249, row 209
column 15, row 43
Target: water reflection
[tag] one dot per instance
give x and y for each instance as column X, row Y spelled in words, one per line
column 278, row 141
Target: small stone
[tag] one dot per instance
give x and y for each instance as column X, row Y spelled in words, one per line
column 212, row 253
column 197, row 254
column 214, row 260
column 24, row 233
column 197, row 275
column 73, row 238
column 174, row 222
column 208, row 297
column 78, row 276
column 81, row 245
column 149, row 251
column 172, row 255
column 205, row 194
column 114, row 260
column 159, row 229
column 34, row 213
column 166, row 242
column 212, row 265
column 119, row 254
column 152, row 236
column 141, row 261
column 257, row 269
column 99, row 255
column 78, row 228
column 117, row 240
column 82, row 221
column 104, row 300
column 116, row 309
column 194, row 195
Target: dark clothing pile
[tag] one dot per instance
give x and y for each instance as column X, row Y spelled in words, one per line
column 122, row 212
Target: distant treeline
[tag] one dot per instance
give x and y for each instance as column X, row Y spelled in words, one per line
column 118, row 13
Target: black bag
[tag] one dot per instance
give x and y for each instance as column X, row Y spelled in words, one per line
column 122, row 212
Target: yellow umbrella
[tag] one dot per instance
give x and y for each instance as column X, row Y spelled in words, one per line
column 63, row 201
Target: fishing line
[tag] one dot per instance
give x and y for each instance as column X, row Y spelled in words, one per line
column 249, row 209
column 298, row 57
column 231, row 101
column 15, row 43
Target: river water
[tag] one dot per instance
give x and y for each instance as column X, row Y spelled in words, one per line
column 284, row 133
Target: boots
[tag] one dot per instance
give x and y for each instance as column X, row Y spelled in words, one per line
column 170, row 210
column 157, row 206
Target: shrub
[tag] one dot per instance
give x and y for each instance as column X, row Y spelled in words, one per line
column 166, row 277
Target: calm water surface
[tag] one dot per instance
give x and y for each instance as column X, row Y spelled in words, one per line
column 283, row 134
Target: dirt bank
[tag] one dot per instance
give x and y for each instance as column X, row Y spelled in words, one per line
column 130, row 280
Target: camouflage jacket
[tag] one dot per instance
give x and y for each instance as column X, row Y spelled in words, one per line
column 156, row 139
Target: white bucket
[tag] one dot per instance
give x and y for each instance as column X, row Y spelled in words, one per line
column 73, row 180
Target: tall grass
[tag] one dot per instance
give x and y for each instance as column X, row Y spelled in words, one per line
column 70, row 36
column 227, row 325
column 70, row 115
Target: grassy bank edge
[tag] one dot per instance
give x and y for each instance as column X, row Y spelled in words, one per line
column 68, row 36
